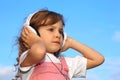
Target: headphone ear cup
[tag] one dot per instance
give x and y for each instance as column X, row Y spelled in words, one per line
column 27, row 23
column 65, row 37
column 33, row 30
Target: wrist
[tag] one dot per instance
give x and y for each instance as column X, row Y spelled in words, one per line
column 35, row 41
column 69, row 40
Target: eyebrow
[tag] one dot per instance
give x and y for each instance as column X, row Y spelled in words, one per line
column 61, row 28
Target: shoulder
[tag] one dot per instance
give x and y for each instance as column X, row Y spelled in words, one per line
column 76, row 59
column 77, row 66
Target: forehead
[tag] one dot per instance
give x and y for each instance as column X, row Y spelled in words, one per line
column 58, row 25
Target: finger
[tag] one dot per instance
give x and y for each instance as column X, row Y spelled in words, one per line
column 26, row 31
column 23, row 31
column 23, row 35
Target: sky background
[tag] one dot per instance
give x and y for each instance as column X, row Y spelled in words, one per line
column 95, row 23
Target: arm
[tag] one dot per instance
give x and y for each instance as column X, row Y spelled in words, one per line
column 35, row 45
column 94, row 58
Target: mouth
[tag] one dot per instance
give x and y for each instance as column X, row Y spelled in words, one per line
column 56, row 42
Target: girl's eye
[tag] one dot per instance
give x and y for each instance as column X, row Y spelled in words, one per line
column 51, row 29
column 61, row 32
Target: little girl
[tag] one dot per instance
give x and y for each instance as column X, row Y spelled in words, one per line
column 41, row 41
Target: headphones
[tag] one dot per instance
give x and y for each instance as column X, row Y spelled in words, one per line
column 27, row 24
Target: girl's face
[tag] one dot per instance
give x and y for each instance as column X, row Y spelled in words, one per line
column 52, row 36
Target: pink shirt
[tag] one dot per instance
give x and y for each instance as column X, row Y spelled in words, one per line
column 50, row 71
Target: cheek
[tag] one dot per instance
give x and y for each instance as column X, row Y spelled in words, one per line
column 61, row 40
column 44, row 39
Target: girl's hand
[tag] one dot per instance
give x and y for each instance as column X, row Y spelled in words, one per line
column 35, row 45
column 29, row 37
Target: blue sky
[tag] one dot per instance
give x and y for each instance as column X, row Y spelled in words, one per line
column 95, row 23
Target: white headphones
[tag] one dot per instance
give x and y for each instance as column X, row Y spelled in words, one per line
column 27, row 24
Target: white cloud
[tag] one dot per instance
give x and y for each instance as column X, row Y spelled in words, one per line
column 6, row 72
column 116, row 36
column 115, row 75
column 111, row 67
column 78, row 79
column 89, row 76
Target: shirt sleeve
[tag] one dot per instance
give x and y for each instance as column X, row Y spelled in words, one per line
column 77, row 66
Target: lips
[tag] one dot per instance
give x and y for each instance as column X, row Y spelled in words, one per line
column 57, row 42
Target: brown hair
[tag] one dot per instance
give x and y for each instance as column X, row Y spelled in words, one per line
column 41, row 18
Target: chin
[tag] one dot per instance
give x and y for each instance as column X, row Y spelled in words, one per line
column 53, row 50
